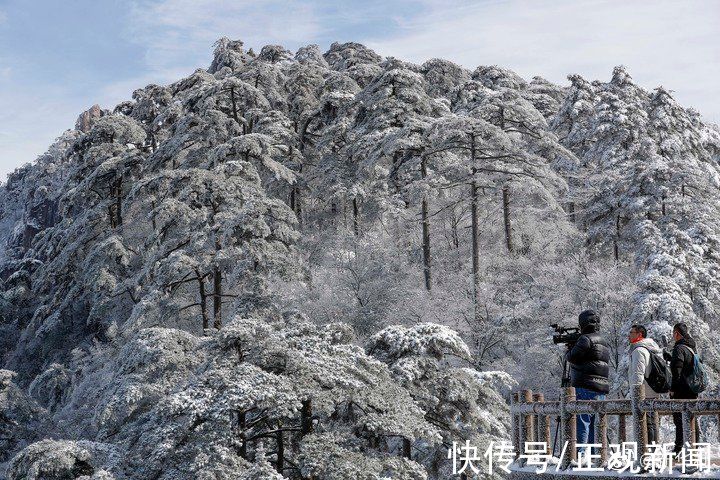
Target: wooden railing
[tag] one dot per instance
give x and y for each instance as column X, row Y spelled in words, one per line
column 532, row 418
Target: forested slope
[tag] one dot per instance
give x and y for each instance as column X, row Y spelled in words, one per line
column 332, row 266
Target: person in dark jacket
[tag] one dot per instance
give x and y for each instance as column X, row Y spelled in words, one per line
column 681, row 365
column 589, row 362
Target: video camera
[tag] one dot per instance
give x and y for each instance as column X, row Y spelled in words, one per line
column 569, row 335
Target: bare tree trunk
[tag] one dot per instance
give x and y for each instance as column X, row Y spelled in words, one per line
column 425, row 231
column 217, row 282
column 345, row 214
column 475, row 233
column 217, row 294
column 356, row 222
column 234, row 108
column 298, row 197
column 203, row 300
column 154, row 222
column 333, row 213
column 111, row 215
column 407, row 448
column 280, row 449
column 664, row 211
column 217, row 298
column 571, row 207
column 242, row 421
column 306, row 425
column 118, row 201
column 115, row 206
column 616, row 248
column 298, row 207
column 394, row 172
column 571, row 211
column 455, row 221
column 506, row 217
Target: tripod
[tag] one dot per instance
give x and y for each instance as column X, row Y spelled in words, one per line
column 564, row 382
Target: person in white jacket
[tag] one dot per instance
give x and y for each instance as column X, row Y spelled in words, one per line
column 639, row 370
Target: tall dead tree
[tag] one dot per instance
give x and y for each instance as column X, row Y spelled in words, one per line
column 425, row 228
column 506, row 218
column 356, row 220
column 475, row 229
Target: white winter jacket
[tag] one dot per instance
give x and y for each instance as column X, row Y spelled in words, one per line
column 640, row 364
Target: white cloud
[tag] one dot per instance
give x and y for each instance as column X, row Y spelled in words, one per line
column 177, row 38
column 30, row 122
column 112, row 94
column 661, row 43
column 182, row 32
column 177, row 35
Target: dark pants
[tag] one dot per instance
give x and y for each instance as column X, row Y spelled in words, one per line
column 652, row 433
column 677, row 420
column 679, row 440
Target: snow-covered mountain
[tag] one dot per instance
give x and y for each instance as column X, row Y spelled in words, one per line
column 297, row 266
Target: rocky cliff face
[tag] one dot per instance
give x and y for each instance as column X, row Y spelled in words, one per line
column 87, row 119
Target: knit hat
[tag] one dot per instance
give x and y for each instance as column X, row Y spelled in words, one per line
column 588, row 317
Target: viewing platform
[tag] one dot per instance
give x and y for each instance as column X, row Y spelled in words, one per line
column 543, row 430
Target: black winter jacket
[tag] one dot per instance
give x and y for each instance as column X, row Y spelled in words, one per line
column 681, row 365
column 589, row 361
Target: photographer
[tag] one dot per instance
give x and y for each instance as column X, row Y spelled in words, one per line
column 589, row 369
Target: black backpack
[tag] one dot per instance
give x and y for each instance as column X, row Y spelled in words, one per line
column 660, row 377
column 697, row 380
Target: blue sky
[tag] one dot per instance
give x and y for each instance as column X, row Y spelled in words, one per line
column 57, row 58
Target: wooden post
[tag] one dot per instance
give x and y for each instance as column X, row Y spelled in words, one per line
column 656, row 421
column 529, row 418
column 622, row 428
column 568, row 428
column 601, row 437
column 537, row 435
column 515, row 428
column 639, row 418
column 526, row 423
column 543, row 424
column 694, row 429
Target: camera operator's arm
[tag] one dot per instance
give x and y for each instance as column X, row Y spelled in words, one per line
column 578, row 353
